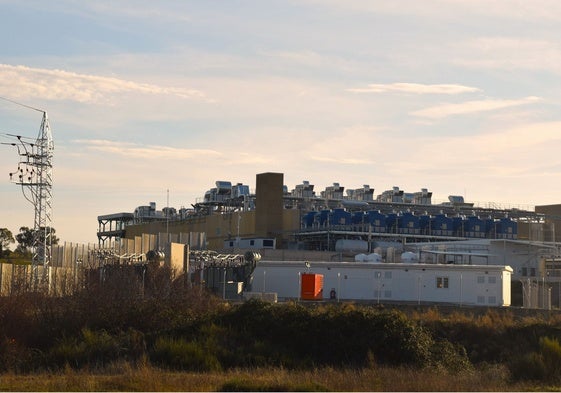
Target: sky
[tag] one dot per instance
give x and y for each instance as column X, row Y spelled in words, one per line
column 151, row 101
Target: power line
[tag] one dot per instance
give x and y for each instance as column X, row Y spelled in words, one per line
column 20, row 104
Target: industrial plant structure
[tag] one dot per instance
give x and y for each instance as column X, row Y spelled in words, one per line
column 335, row 226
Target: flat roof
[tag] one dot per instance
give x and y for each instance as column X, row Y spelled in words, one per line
column 383, row 265
column 115, row 216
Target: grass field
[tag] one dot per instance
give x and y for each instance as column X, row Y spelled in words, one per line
column 123, row 377
column 190, row 340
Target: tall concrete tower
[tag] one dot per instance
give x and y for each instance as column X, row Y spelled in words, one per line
column 269, row 205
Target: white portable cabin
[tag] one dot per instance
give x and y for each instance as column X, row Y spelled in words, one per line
column 480, row 285
column 251, row 243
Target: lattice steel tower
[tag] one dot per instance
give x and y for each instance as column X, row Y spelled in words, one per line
column 35, row 176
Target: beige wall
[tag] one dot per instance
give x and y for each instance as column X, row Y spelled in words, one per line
column 221, row 227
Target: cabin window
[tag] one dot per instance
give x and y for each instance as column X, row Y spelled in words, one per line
column 481, row 299
column 492, row 280
column 524, row 271
column 387, row 274
column 481, row 279
column 268, row 243
column 442, row 282
column 252, row 242
column 492, row 300
column 533, row 271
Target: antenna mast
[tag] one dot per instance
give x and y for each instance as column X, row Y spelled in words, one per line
column 35, row 176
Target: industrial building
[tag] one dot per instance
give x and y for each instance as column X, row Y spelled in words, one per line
column 336, row 226
column 389, row 282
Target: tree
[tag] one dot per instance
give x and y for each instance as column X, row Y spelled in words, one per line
column 26, row 237
column 6, row 238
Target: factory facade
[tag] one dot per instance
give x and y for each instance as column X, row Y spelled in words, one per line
column 334, row 227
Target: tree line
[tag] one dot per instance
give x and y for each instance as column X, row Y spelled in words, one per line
column 25, row 239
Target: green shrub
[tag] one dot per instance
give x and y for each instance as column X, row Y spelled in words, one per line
column 180, row 354
column 451, row 357
column 94, row 348
column 528, row 367
column 550, row 350
column 544, row 365
column 397, row 340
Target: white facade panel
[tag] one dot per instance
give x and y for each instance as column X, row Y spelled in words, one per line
column 458, row 284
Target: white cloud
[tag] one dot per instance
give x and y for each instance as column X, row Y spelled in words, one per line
column 445, row 110
column 27, row 82
column 146, row 151
column 343, row 160
column 537, row 10
column 415, row 88
column 510, row 53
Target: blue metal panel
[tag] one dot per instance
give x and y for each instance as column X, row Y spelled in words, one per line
column 377, row 220
column 474, row 227
column 408, row 223
column 506, row 228
column 308, row 219
column 340, row 217
column 458, row 226
column 442, row 225
column 358, row 218
column 391, row 222
column 323, row 217
column 425, row 224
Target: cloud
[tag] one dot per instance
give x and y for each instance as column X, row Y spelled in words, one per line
column 510, row 53
column 146, row 151
column 415, row 88
column 445, row 110
column 343, row 160
column 24, row 82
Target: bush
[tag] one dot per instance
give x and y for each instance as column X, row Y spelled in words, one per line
column 451, row 357
column 399, row 341
column 550, row 350
column 180, row 354
column 95, row 348
column 528, row 367
column 544, row 365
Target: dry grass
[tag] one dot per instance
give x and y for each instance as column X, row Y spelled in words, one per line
column 124, row 377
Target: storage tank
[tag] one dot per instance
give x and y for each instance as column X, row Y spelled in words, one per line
column 351, row 245
column 409, row 257
column 373, row 258
column 360, row 258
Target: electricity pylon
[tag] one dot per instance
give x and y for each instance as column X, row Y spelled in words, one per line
column 35, row 176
